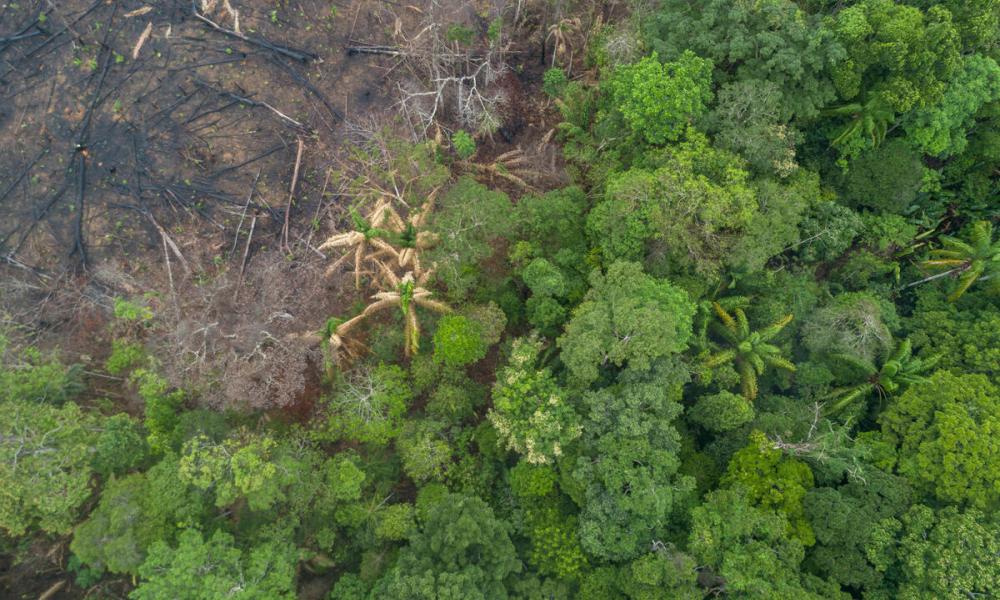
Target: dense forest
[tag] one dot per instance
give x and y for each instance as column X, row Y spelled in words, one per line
column 659, row 300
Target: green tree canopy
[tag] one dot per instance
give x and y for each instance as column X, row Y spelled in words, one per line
column 942, row 128
column 530, row 411
column 946, row 432
column 895, row 52
column 947, row 554
column 767, row 41
column 210, row 568
column 458, row 341
column 627, row 318
column 658, row 100
column 461, row 552
column 844, row 519
column 773, row 481
column 45, row 465
column 682, row 212
column 628, row 464
column 135, row 512
column 751, row 549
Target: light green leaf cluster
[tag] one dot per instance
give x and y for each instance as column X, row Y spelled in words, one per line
column 657, row 99
column 45, row 465
column 946, row 432
column 530, row 411
column 942, row 129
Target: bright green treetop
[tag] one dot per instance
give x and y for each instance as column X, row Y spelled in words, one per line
column 530, row 411
column 946, row 554
column 659, row 99
column 896, row 53
column 750, row 548
column 689, row 204
column 947, row 433
column 941, row 129
column 213, row 568
column 627, row 318
column 773, row 481
column 45, row 465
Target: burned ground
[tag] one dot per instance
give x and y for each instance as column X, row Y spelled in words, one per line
column 192, row 155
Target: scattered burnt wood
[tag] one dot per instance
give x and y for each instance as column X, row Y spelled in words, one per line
column 90, row 127
column 294, row 73
column 242, row 99
column 299, row 55
column 374, row 49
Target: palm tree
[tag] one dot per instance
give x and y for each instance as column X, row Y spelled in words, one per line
column 562, row 46
column 871, row 119
column 750, row 351
column 513, row 165
column 979, row 258
column 411, row 238
column 900, row 369
column 705, row 315
column 366, row 236
column 407, row 294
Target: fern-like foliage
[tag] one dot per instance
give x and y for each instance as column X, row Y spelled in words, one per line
column 870, row 119
column 978, row 258
column 750, row 351
column 899, row 370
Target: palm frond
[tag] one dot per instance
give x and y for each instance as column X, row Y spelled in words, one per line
column 780, row 363
column 748, row 381
column 391, row 278
column 848, row 395
column 861, row 364
column 434, row 305
column 769, row 332
column 359, row 257
column 720, row 358
column 902, row 351
column 381, row 304
column 953, row 244
column 340, row 240
column 966, row 280
column 982, row 234
column 742, row 325
column 724, row 332
column 944, row 262
column 724, row 316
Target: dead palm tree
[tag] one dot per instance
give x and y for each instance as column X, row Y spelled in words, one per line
column 513, row 166
column 411, row 238
column 365, row 239
column 562, row 45
column 407, row 294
